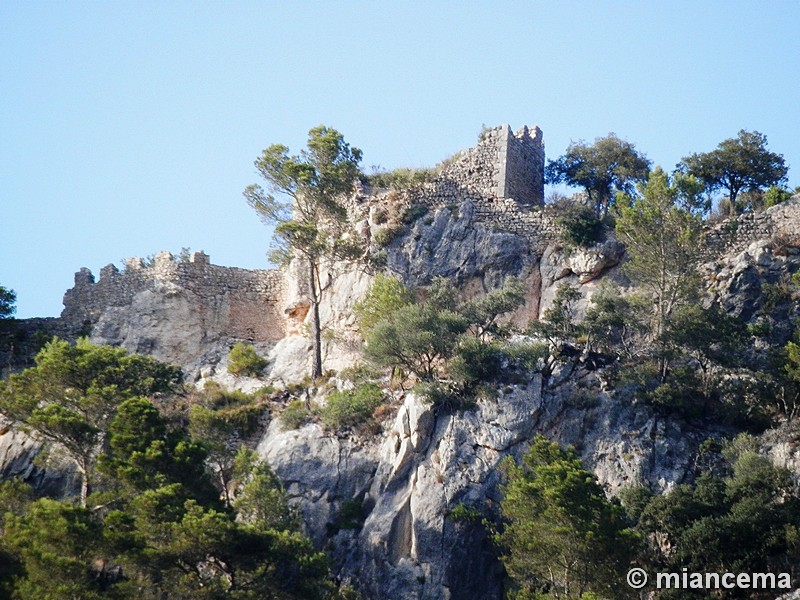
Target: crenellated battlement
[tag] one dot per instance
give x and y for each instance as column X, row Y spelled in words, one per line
column 243, row 302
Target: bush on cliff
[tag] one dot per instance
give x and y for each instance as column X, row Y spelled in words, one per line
column 243, row 360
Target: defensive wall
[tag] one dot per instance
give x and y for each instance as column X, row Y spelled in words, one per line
column 502, row 176
column 245, row 302
column 780, row 222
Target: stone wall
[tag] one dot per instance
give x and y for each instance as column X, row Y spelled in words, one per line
column 503, row 178
column 244, row 303
column 521, row 164
column 503, row 165
column 737, row 233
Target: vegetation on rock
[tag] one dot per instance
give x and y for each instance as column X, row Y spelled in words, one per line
column 312, row 225
column 243, row 360
column 155, row 524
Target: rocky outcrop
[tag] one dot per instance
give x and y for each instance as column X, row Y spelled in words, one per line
column 21, row 458
column 483, row 224
column 410, row 479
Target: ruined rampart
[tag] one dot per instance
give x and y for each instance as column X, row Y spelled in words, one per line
column 781, row 223
column 241, row 303
column 503, row 178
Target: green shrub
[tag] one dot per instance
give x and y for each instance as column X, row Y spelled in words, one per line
column 360, row 372
column 352, row 407
column 386, row 295
column 477, row 361
column 776, row 195
column 351, row 515
column 386, row 235
column 465, row 514
column 400, row 179
column 580, row 225
column 230, row 409
column 759, row 329
column 525, row 356
column 413, row 213
column 294, row 415
column 445, row 396
column 243, row 360
column 773, row 294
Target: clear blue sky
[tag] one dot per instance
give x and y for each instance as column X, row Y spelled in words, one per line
column 131, row 127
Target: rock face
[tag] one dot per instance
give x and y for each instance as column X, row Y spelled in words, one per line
column 410, row 479
column 56, row 476
column 484, row 222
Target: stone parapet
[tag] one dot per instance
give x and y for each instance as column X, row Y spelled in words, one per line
column 248, row 298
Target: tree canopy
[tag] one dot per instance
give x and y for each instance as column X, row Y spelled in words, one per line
column 303, row 200
column 157, row 527
column 737, row 165
column 7, row 299
column 663, row 242
column 610, row 164
column 73, row 392
column 561, row 534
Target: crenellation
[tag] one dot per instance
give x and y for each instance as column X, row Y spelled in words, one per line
column 246, row 300
column 501, row 178
column 109, row 271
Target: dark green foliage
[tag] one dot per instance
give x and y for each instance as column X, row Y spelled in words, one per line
column 72, row 394
column 218, row 418
column 607, row 165
column 742, row 521
column 55, row 544
column 462, row 513
column 414, row 213
column 560, row 532
column 157, row 527
column 454, row 349
column 446, row 396
column 416, row 338
column 385, row 296
column 618, row 324
column 243, row 360
column 145, row 454
column 351, row 515
column 7, row 299
column 741, row 164
column 351, row 408
column 260, row 498
column 579, row 224
column 476, row 361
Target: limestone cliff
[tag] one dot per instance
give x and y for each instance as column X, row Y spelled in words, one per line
column 482, row 220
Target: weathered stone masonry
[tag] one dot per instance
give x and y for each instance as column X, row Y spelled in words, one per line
column 503, row 177
column 246, row 302
column 737, row 233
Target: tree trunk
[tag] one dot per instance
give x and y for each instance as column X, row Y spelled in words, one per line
column 84, row 470
column 316, row 327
